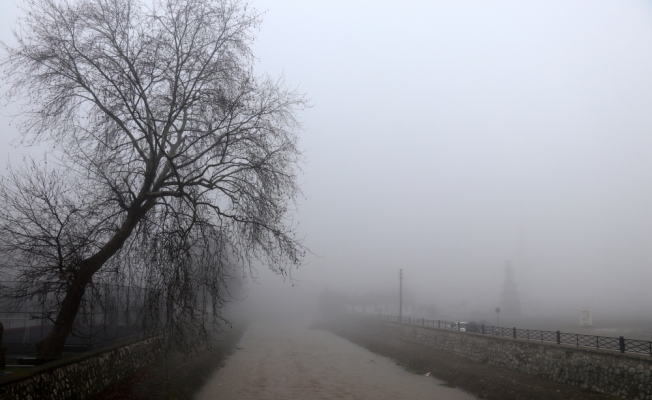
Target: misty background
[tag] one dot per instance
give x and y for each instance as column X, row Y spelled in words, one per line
column 448, row 137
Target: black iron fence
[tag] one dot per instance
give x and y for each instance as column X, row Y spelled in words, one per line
column 108, row 312
column 589, row 341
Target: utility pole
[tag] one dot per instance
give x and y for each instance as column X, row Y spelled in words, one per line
column 400, row 295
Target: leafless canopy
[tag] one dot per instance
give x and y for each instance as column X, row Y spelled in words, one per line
column 171, row 161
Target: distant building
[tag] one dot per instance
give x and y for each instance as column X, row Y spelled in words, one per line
column 383, row 302
column 509, row 302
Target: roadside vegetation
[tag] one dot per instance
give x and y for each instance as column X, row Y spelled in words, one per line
column 179, row 375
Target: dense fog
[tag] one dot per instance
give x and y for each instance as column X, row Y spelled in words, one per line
column 447, row 138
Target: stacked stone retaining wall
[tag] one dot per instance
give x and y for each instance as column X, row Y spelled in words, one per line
column 81, row 376
column 623, row 375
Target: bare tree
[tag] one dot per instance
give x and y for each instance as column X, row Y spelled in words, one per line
column 171, row 161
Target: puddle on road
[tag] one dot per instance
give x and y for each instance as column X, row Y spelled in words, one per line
column 292, row 362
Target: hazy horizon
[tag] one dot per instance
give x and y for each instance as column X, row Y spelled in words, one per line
column 448, row 137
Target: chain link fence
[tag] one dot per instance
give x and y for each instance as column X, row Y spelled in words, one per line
column 108, row 312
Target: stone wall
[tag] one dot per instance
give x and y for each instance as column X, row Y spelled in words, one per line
column 624, row 375
column 80, row 376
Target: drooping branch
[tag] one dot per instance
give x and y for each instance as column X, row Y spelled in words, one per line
column 174, row 162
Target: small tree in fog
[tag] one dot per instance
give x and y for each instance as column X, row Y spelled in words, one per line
column 170, row 161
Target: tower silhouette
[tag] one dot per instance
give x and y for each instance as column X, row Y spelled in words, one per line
column 509, row 302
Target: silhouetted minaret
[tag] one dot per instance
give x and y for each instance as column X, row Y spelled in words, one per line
column 509, row 303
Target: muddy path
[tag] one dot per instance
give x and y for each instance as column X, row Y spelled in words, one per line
column 291, row 361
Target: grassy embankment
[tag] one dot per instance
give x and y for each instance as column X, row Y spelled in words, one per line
column 177, row 376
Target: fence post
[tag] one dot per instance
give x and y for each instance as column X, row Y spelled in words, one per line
column 558, row 337
column 2, row 353
column 117, row 312
column 514, row 332
column 45, row 299
column 621, row 342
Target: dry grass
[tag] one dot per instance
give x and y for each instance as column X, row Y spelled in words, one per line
column 177, row 376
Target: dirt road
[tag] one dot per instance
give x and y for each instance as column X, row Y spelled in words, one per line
column 281, row 361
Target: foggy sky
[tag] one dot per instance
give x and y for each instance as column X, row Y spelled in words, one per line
column 447, row 137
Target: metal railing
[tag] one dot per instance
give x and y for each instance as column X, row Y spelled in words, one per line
column 574, row 339
column 108, row 312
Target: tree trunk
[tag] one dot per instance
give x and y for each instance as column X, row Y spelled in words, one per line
column 52, row 344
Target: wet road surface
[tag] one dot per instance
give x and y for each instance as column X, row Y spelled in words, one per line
column 290, row 361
